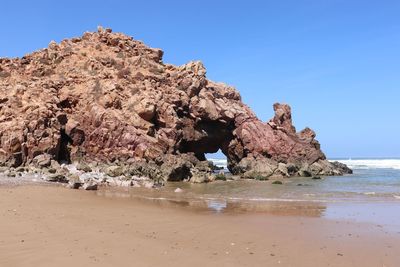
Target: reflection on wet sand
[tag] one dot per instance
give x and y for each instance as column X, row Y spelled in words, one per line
column 216, row 205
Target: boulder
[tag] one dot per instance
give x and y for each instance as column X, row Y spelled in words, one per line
column 43, row 160
column 304, row 173
column 341, row 167
column 51, row 170
column 16, row 160
column 250, row 167
column 200, row 177
column 144, row 170
column 114, row 171
column 282, row 170
column 175, row 168
column 83, row 167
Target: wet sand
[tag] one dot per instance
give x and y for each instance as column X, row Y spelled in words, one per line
column 54, row 226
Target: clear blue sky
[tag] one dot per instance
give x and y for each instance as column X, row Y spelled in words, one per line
column 337, row 63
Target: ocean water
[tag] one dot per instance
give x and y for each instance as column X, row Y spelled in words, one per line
column 374, row 181
column 370, row 195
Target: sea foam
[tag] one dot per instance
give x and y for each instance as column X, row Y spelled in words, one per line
column 352, row 163
column 372, row 163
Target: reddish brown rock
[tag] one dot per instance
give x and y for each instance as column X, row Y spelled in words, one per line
column 105, row 96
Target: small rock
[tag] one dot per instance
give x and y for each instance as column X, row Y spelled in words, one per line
column 114, row 171
column 11, row 174
column 83, row 167
column 277, row 182
column 316, row 178
column 20, row 169
column 56, row 178
column 52, row 170
column 126, row 183
column 74, row 185
column 43, row 160
column 90, row 185
column 54, row 164
column 148, row 184
column 178, row 190
column 220, row 177
column 260, row 177
column 135, row 184
column 74, row 182
column 303, row 185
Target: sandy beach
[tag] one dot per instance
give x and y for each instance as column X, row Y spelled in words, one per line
column 54, row 226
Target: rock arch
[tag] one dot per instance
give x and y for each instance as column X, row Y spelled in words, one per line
column 123, row 102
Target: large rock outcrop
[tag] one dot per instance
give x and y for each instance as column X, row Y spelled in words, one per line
column 105, row 96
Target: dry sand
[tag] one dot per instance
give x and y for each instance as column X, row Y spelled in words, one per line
column 54, row 226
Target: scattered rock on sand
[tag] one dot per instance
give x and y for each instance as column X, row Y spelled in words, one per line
column 11, row 174
column 56, row 177
column 91, row 184
column 178, row 190
column 20, row 169
column 127, row 183
column 148, row 184
column 74, row 182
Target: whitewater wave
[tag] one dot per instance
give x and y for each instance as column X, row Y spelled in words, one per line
column 220, row 162
column 352, row 163
column 372, row 163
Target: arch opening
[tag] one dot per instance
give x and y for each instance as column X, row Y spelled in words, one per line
column 219, row 161
column 207, row 138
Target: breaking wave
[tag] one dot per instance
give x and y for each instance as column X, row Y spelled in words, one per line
column 352, row 163
column 372, row 163
column 220, row 162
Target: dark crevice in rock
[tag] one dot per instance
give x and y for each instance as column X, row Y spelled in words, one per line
column 63, row 153
column 67, row 103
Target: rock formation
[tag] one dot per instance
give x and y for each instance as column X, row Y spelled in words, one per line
column 106, row 97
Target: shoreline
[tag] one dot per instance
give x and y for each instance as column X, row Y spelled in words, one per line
column 54, row 226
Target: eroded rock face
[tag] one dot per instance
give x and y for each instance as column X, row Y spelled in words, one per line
column 107, row 97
